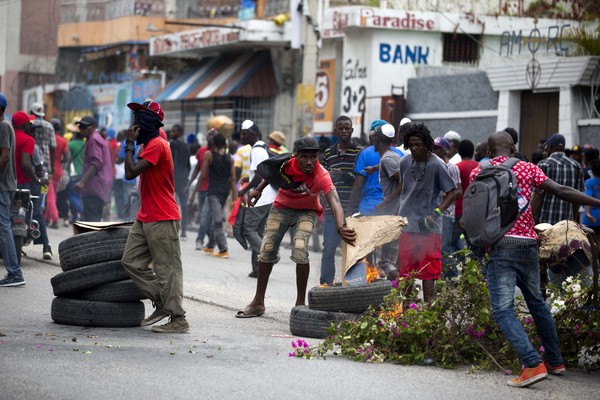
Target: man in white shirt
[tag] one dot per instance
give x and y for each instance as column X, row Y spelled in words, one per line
column 255, row 217
column 454, row 138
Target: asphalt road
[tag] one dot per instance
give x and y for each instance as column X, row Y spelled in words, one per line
column 222, row 357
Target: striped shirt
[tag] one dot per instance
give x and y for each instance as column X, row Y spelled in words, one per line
column 564, row 171
column 334, row 160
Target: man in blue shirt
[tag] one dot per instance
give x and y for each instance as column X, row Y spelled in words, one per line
column 366, row 191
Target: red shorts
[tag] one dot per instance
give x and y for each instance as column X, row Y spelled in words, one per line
column 421, row 254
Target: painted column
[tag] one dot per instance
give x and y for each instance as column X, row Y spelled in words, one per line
column 569, row 112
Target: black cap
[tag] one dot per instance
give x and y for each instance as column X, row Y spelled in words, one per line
column 87, row 121
column 56, row 124
column 306, row 143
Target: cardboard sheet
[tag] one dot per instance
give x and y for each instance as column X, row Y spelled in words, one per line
column 371, row 232
column 84, row 226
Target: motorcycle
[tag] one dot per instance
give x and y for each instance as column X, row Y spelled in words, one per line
column 25, row 229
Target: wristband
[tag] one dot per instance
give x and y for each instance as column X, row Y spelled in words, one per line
column 130, row 148
column 437, row 211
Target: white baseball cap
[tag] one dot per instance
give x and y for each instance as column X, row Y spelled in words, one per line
column 388, row 130
column 37, row 109
column 451, row 135
column 405, row 121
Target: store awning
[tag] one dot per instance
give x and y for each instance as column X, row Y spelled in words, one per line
column 247, row 74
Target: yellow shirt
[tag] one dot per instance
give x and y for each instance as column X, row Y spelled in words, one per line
column 242, row 160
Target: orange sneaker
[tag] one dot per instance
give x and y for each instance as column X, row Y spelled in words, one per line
column 555, row 369
column 221, row 254
column 208, row 250
column 529, row 376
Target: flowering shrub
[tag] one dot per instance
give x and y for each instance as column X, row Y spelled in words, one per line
column 457, row 328
column 577, row 323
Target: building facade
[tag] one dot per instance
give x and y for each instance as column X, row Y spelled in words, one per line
column 371, row 59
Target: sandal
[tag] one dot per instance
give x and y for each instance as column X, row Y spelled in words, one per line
column 251, row 312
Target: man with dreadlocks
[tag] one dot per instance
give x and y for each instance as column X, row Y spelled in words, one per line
column 154, row 236
column 423, row 177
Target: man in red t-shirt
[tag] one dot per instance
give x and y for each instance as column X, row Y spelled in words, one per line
column 295, row 207
column 62, row 155
column 205, row 220
column 154, row 236
column 24, row 144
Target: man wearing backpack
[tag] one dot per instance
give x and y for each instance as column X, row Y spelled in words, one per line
column 296, row 206
column 514, row 261
column 255, row 217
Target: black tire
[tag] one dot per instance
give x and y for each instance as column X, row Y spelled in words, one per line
column 88, row 277
column 309, row 323
column 349, row 299
column 96, row 313
column 115, row 292
column 92, row 248
column 19, row 248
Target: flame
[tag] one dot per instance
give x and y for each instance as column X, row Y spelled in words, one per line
column 390, row 314
column 372, row 273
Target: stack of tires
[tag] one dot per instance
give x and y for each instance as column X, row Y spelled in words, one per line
column 95, row 289
column 332, row 305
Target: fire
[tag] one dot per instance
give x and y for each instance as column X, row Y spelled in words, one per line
column 372, row 273
column 390, row 314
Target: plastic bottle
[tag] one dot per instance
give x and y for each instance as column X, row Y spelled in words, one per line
column 44, row 188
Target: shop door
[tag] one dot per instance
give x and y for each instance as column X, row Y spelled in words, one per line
column 539, row 119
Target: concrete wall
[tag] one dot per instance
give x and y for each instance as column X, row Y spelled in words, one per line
column 466, row 92
column 462, row 103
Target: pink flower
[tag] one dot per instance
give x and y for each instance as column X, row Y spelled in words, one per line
column 404, row 325
column 291, row 354
column 542, row 349
column 413, row 306
column 294, row 344
column 395, row 284
column 528, row 320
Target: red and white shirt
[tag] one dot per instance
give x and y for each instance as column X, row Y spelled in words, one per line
column 528, row 176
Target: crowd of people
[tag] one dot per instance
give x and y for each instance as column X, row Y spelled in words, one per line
column 167, row 183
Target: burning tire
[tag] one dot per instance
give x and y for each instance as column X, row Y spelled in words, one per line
column 348, row 299
column 88, row 277
column 96, row 313
column 114, row 292
column 92, row 248
column 309, row 323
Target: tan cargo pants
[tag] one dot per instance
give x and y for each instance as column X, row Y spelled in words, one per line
column 156, row 242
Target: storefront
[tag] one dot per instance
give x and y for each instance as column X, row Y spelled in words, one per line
column 242, row 72
column 369, row 55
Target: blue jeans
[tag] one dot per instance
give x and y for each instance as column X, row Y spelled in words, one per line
column 7, row 241
column 450, row 243
column 331, row 241
column 518, row 265
column 204, row 228
column 75, row 199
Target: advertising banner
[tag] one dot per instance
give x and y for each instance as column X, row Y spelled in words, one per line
column 324, row 97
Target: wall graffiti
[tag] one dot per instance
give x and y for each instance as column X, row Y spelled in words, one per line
column 513, row 42
column 354, row 92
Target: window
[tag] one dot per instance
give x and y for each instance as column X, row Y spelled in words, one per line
column 459, row 48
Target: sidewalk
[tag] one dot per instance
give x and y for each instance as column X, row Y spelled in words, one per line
column 222, row 282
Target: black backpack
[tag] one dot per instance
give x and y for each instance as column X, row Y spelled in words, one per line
column 491, row 203
column 272, row 171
